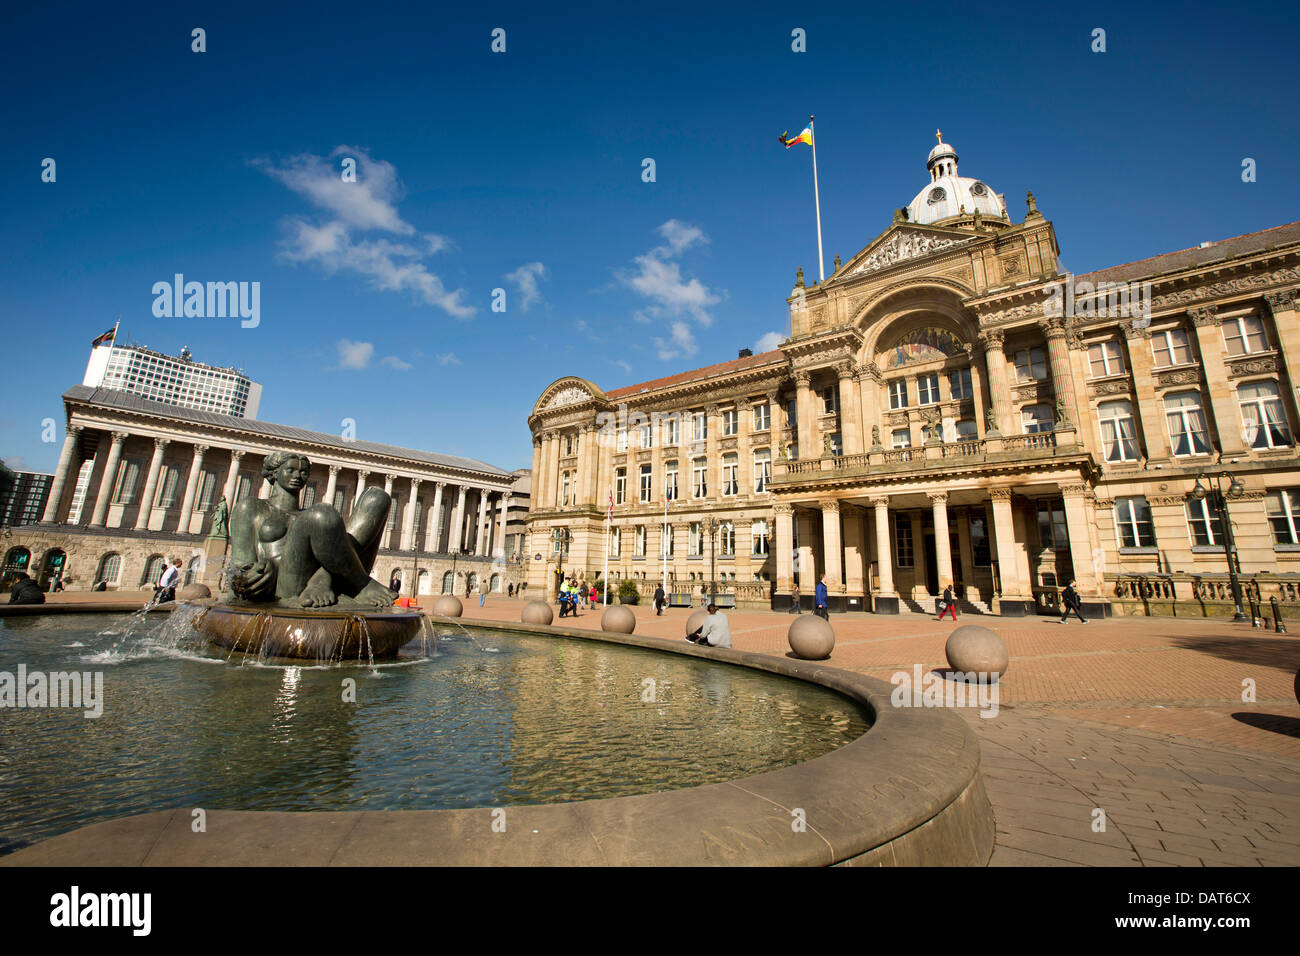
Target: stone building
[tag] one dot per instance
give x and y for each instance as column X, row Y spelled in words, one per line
column 138, row 480
column 950, row 407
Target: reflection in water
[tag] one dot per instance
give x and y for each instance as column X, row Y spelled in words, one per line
column 536, row 719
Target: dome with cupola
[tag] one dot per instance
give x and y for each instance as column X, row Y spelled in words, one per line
column 948, row 195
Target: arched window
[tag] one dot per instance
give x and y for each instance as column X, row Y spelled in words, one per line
column 494, row 583
column 422, row 582
column 110, row 569
column 472, row 581
column 153, row 569
column 194, row 569
column 448, row 583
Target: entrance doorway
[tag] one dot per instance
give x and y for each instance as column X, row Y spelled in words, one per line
column 931, row 563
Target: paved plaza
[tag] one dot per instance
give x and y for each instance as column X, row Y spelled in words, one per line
column 1140, row 717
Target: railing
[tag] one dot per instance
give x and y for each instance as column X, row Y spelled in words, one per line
column 895, row 455
column 844, row 462
column 1182, row 589
column 967, row 448
column 1034, row 441
column 803, row 466
column 751, row 591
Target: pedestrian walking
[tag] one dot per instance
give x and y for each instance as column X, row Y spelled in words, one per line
column 794, row 600
column 660, row 600
column 947, row 604
column 1071, row 601
column 821, row 599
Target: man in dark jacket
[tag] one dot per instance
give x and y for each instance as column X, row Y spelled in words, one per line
column 25, row 591
column 821, row 599
column 947, row 604
column 1071, row 601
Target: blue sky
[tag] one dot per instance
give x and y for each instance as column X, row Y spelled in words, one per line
column 522, row 170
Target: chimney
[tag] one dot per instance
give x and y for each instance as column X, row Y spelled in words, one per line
column 746, row 353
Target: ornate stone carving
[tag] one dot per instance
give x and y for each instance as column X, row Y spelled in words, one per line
column 879, row 501
column 1011, row 265
column 1075, row 490
column 844, row 369
column 1121, row 387
column 937, row 497
column 896, row 418
column 873, row 370
column 901, row 246
column 568, row 396
column 1282, row 301
column 1251, row 366
column 1133, row 329
column 1000, row 494
column 1166, row 501
column 830, row 504
column 1203, row 316
column 1226, row 288
column 992, row 339
column 1187, row 376
column 783, row 509
column 802, row 377
column 161, row 443
column 1053, row 327
column 334, row 470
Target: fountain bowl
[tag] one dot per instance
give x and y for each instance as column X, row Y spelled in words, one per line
column 325, row 635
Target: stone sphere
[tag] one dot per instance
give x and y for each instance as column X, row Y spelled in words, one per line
column 537, row 612
column 448, row 605
column 811, row 637
column 193, row 592
column 973, row 648
column 695, row 621
column 618, row 619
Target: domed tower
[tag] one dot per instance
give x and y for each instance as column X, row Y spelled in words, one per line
column 952, row 199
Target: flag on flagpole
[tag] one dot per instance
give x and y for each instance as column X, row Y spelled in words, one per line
column 611, row 504
column 106, row 337
column 805, row 137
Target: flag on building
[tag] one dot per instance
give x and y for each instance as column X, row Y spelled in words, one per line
column 106, row 337
column 611, row 504
column 805, row 137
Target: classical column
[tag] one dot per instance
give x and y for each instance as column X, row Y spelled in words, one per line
column 744, row 446
column 151, row 484
column 191, row 489
column 807, row 562
column 589, row 470
column 66, row 457
column 850, row 410
column 776, row 425
column 361, row 485
column 499, row 551
column 537, row 462
column 457, row 529
column 1083, row 536
column 408, row 519
column 391, row 522
column 884, row 553
column 1286, row 328
column 1004, row 532
column 107, row 480
column 1227, row 415
column 784, row 547
column 869, row 404
column 999, row 390
column 942, row 547
column 919, row 590
column 809, row 447
column 854, row 552
column 332, row 485
column 831, row 551
column 1058, row 354
column 1148, row 410
column 480, row 529
column 433, row 536
column 712, row 460
column 232, row 477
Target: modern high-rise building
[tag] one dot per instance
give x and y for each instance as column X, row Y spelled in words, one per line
column 22, row 495
column 173, row 380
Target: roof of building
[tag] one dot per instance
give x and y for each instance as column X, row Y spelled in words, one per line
column 722, row 368
column 111, row 398
column 1251, row 242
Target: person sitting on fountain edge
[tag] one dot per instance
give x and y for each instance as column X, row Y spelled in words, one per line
column 305, row 557
column 714, row 632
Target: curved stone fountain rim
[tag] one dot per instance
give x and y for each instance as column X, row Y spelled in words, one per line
column 907, row 792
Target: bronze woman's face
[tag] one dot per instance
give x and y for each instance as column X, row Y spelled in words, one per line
column 292, row 474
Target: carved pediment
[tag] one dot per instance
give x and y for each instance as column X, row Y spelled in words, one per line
column 568, row 396
column 901, row 244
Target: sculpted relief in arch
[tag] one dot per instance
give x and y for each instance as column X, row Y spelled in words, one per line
column 571, row 395
column 922, row 345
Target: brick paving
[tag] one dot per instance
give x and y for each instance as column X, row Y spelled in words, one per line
column 1140, row 718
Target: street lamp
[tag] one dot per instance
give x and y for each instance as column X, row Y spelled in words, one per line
column 1219, row 500
column 713, row 562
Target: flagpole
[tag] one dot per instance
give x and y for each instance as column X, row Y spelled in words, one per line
column 609, row 514
column 112, row 344
column 817, row 198
column 663, row 546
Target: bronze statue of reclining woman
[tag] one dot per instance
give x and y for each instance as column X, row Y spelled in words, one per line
column 305, row 557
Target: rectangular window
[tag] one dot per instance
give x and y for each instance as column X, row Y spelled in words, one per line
column 730, row 479
column 127, row 477
column 828, row 400
column 309, row 495
column 620, row 442
column 901, row 437
column 701, row 426
column 1037, row 418
column 903, row 541
column 670, row 481
column 1264, row 422
column 1051, row 527
column 564, row 489
column 638, row 542
column 699, row 478
column 697, row 540
column 1244, row 335
column 898, row 393
column 981, row 554
column 620, row 486
column 1284, row 515
column 759, row 533
column 666, row 545
column 1205, row 522
column 647, row 482
column 730, row 422
column 615, row 542
column 1188, row 434
column 207, row 492
column 927, row 389
column 167, row 485
column 647, row 436
column 1031, row 365
column 1118, row 439
column 1105, row 358
column 960, row 385
column 727, row 539
column 1170, row 347
column 762, row 417
column 670, row 428
column 762, row 468
column 1133, row 521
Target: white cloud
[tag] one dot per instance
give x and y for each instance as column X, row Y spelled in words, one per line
column 525, row 280
column 369, row 204
column 355, row 354
column 625, row 366
column 769, row 341
column 392, row 361
column 449, row 358
column 680, row 235
column 681, row 342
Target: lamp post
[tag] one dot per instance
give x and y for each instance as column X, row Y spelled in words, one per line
column 1219, row 500
column 713, row 561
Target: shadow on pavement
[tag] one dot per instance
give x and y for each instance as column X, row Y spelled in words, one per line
column 1283, row 652
column 1276, row 723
